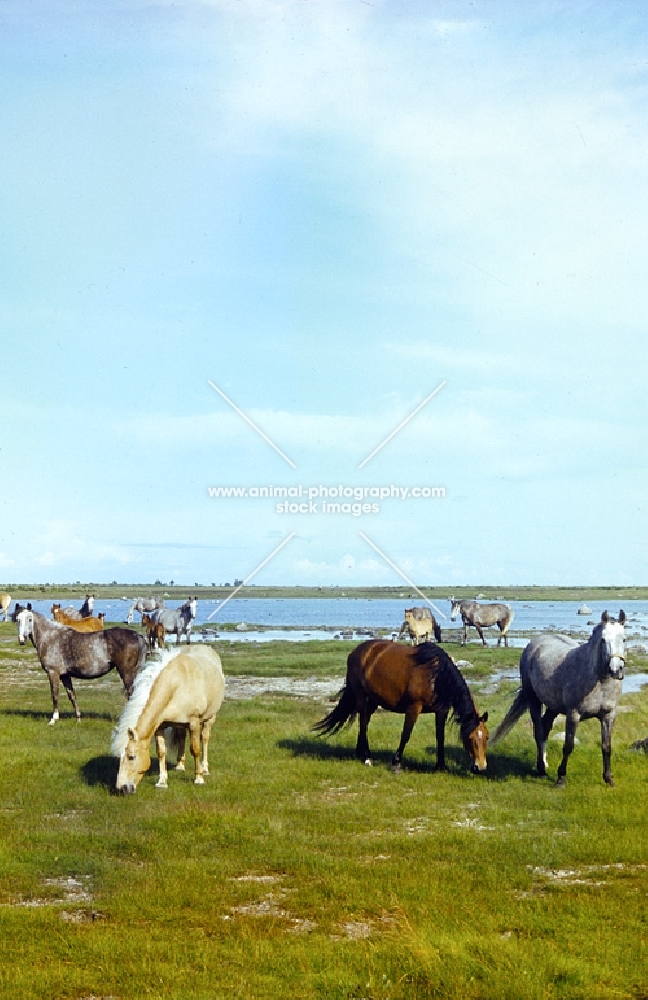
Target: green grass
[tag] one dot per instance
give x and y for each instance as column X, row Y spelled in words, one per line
column 297, row 872
column 71, row 592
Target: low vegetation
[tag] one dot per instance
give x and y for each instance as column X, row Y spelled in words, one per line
column 297, row 872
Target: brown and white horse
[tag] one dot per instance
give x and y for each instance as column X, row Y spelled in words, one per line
column 183, row 689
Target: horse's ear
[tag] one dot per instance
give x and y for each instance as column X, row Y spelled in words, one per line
column 621, row 616
column 605, row 617
column 484, row 717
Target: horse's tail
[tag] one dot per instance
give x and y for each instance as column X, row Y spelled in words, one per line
column 437, row 629
column 508, row 621
column 517, row 709
column 343, row 714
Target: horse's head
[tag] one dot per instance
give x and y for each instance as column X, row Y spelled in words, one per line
column 475, row 743
column 455, row 607
column 613, row 653
column 134, row 763
column 25, row 626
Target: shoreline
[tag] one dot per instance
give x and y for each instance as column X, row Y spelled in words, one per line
column 485, row 593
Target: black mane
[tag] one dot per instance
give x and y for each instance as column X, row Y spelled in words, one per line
column 450, row 687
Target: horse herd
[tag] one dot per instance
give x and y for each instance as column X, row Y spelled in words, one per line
column 184, row 689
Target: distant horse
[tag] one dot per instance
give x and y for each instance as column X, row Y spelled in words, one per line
column 579, row 681
column 65, row 653
column 482, row 616
column 72, row 613
column 154, row 632
column 143, row 604
column 421, row 624
column 176, row 621
column 78, row 624
column 5, row 604
column 407, row 680
column 184, row 689
column 87, row 607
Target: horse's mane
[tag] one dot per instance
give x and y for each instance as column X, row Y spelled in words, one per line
column 450, row 687
column 135, row 704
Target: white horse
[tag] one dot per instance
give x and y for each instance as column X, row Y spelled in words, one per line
column 143, row 605
column 5, row 604
column 183, row 689
column 577, row 680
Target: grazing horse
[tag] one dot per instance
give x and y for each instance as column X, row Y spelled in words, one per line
column 143, row 604
column 5, row 604
column 154, row 632
column 577, row 680
column 177, row 622
column 184, row 689
column 65, row 653
column 407, row 680
column 420, row 623
column 482, row 616
column 78, row 624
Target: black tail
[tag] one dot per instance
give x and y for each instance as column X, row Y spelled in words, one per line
column 342, row 715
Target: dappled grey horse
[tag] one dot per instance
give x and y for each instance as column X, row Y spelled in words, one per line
column 144, row 605
column 577, row 680
column 178, row 621
column 482, row 616
column 64, row 654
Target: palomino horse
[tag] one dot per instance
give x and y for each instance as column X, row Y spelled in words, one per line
column 64, row 654
column 420, row 623
column 78, row 624
column 577, row 680
column 482, row 616
column 410, row 680
column 5, row 604
column 184, row 689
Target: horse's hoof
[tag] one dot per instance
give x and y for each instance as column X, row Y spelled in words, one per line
column 561, row 781
column 180, row 766
column 396, row 768
column 609, row 781
column 368, row 762
column 161, row 784
column 199, row 780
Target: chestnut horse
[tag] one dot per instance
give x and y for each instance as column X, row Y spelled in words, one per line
column 78, row 624
column 409, row 680
column 154, row 632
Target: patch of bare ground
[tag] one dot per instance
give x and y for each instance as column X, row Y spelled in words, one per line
column 593, row 876
column 360, row 930
column 239, row 688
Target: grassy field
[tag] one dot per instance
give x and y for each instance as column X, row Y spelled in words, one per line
column 298, row 872
column 76, row 592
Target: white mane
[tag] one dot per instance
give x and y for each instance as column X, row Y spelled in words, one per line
column 135, row 704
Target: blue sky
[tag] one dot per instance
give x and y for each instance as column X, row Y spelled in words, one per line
column 327, row 208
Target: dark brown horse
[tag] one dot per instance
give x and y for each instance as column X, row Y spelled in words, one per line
column 64, row 654
column 409, row 680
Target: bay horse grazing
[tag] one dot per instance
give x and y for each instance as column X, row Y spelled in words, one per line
column 5, row 604
column 577, row 680
column 421, row 624
column 78, row 624
column 409, row 680
column 184, row 689
column 65, row 653
column 482, row 616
